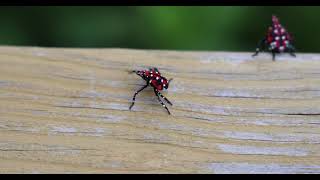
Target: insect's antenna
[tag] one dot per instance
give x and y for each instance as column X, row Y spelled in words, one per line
column 170, row 80
column 131, row 71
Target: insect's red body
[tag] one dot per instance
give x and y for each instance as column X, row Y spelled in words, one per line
column 277, row 39
column 153, row 78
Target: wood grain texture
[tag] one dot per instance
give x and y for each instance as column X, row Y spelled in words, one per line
column 66, row 111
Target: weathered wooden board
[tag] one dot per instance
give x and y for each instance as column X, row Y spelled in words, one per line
column 66, row 111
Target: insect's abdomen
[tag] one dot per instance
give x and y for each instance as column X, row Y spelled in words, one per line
column 156, row 82
column 155, row 79
column 278, row 38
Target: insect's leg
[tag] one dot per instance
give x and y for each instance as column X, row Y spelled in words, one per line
column 163, row 105
column 164, row 98
column 259, row 46
column 137, row 72
column 292, row 51
column 134, row 96
column 131, row 71
column 293, row 54
column 273, row 55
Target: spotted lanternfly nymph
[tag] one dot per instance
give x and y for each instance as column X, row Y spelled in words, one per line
column 277, row 40
column 153, row 78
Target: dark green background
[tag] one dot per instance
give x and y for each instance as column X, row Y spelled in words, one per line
column 224, row 28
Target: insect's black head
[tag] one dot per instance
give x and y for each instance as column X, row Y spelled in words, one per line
column 167, row 84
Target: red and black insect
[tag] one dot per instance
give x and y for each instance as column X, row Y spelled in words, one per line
column 277, row 40
column 153, row 77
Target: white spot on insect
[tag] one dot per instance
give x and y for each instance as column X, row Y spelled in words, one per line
column 283, row 37
column 282, row 30
column 281, row 48
column 157, row 78
column 277, row 38
column 273, row 45
column 150, row 81
column 162, row 80
column 275, row 31
column 151, row 75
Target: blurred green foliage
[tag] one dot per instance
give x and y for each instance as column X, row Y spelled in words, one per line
column 223, row 28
